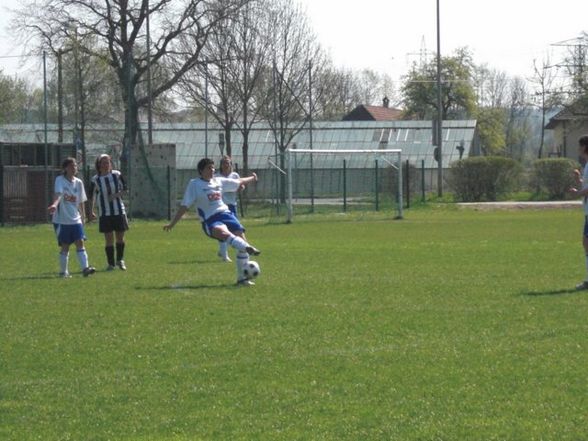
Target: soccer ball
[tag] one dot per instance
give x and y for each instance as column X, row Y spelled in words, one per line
column 251, row 270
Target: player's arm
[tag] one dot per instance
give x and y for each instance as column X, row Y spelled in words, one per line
column 580, row 192
column 578, row 177
column 56, row 199
column 248, row 179
column 181, row 211
column 82, row 210
column 93, row 194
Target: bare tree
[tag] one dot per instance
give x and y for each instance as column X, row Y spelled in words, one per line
column 544, row 97
column 295, row 55
column 231, row 83
column 491, row 86
column 119, row 29
column 517, row 118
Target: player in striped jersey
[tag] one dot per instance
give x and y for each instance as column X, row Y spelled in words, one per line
column 217, row 220
column 67, row 209
column 106, row 190
column 229, row 198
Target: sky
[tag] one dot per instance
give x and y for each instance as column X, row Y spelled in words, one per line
column 388, row 35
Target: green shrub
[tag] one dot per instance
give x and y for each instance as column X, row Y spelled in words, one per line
column 553, row 176
column 483, row 178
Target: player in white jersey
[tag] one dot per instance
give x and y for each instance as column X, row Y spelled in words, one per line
column 68, row 216
column 106, row 190
column 229, row 198
column 582, row 191
column 217, row 221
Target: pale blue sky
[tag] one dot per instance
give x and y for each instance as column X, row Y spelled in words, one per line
column 387, row 35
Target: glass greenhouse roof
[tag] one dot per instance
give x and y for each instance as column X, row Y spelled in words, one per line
column 414, row 138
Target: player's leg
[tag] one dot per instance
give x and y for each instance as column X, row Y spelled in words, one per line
column 223, row 251
column 64, row 260
column 105, row 227
column 63, row 244
column 237, row 241
column 584, row 284
column 242, row 258
column 78, row 231
column 109, row 249
column 120, row 249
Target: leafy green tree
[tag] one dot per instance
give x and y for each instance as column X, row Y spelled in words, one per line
column 491, row 129
column 15, row 100
column 419, row 88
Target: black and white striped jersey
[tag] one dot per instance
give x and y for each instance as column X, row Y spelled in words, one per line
column 102, row 187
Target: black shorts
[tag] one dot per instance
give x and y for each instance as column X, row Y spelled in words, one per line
column 108, row 224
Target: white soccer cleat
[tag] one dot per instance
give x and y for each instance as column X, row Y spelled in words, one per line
column 121, row 265
column 245, row 282
column 582, row 286
column 65, row 275
column 224, row 257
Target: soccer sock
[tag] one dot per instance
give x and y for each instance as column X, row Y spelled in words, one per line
column 63, row 260
column 222, row 249
column 120, row 251
column 237, row 242
column 109, row 254
column 83, row 258
column 241, row 262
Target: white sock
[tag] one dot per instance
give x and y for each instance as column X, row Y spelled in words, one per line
column 222, row 249
column 237, row 242
column 63, row 260
column 83, row 258
column 241, row 261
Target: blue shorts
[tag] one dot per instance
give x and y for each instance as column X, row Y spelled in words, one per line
column 233, row 209
column 68, row 234
column 225, row 218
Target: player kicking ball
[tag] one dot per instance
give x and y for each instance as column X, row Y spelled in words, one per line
column 217, row 220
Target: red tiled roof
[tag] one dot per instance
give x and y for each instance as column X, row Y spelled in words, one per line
column 373, row 113
column 384, row 113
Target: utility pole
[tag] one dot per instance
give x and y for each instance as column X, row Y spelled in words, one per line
column 149, row 91
column 439, row 111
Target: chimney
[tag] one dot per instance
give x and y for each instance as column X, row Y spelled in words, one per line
column 386, row 102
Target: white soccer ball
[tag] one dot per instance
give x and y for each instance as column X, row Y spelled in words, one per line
column 251, row 270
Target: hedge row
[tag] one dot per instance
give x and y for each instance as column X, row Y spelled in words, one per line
column 487, row 178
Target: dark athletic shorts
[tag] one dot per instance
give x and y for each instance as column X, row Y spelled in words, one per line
column 108, row 224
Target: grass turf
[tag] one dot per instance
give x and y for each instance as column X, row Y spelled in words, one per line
column 448, row 325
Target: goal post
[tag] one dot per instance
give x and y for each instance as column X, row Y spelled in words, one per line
column 391, row 157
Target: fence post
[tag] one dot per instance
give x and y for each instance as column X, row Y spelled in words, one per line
column 377, row 189
column 407, row 185
column 423, row 180
column 344, row 185
column 169, row 193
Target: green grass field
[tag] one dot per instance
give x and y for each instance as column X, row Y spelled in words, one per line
column 448, row 325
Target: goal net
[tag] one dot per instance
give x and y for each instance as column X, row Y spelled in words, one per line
column 345, row 178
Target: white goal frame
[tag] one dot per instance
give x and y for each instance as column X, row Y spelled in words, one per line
column 378, row 153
